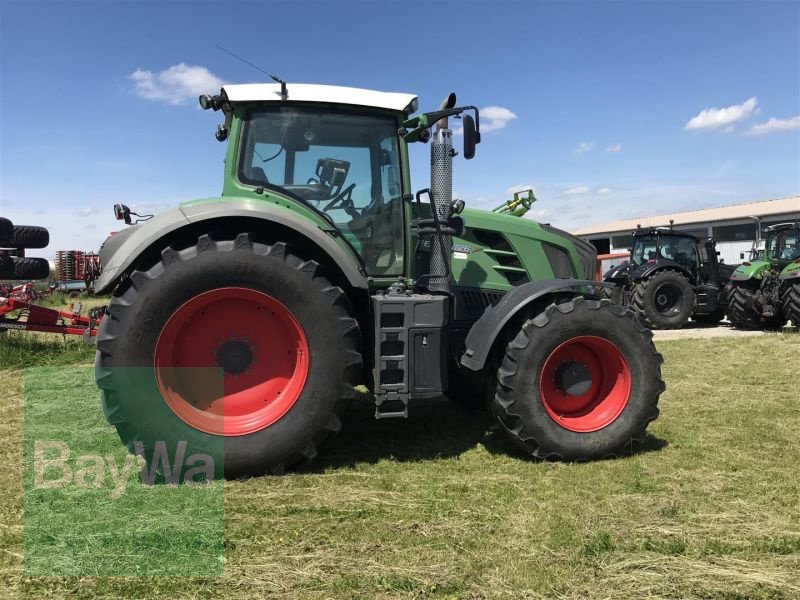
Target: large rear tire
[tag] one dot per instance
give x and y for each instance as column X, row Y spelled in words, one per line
column 663, row 301
column 6, row 231
column 791, row 303
column 580, row 381
column 28, row 236
column 14, row 267
column 740, row 308
column 270, row 324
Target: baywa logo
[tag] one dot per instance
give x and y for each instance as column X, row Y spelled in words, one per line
column 55, row 466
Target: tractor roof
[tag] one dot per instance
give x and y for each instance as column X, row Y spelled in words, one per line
column 782, row 226
column 305, row 92
column 663, row 231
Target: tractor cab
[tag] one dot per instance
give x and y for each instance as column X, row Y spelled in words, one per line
column 783, row 243
column 656, row 247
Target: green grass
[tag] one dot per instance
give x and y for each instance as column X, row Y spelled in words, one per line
column 441, row 506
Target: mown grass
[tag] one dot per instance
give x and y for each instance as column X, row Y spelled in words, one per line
column 441, row 506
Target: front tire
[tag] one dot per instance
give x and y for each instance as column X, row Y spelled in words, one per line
column 791, row 303
column 740, row 308
column 580, row 381
column 232, row 346
column 663, row 301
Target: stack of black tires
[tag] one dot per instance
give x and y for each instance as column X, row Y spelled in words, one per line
column 14, row 240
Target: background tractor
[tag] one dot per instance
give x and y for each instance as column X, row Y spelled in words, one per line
column 670, row 277
column 766, row 292
column 318, row 270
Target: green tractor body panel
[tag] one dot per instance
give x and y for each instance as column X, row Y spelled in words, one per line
column 502, row 251
column 791, row 271
column 750, row 270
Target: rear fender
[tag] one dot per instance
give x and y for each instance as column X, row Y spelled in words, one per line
column 121, row 251
column 486, row 330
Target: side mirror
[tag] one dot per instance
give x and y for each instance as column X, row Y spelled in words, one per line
column 122, row 213
column 471, row 136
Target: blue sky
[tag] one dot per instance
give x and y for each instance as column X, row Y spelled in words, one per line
column 608, row 109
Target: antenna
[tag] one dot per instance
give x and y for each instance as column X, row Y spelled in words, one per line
column 275, row 78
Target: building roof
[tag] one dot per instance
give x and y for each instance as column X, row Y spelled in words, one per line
column 763, row 208
column 305, row 92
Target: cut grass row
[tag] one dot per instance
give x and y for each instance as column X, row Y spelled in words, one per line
column 441, row 506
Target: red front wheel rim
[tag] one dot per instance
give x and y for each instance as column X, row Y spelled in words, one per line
column 231, row 361
column 585, row 384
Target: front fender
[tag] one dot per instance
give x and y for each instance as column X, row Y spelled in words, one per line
column 753, row 270
column 120, row 251
column 485, row 330
column 649, row 269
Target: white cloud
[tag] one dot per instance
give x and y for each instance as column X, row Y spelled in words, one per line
column 584, row 147
column 714, row 118
column 519, row 188
column 729, row 129
column 88, row 211
column 614, row 148
column 604, row 191
column 575, row 191
column 492, row 118
column 176, row 84
column 495, row 117
column 774, row 125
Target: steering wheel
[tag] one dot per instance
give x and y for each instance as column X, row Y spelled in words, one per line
column 345, row 199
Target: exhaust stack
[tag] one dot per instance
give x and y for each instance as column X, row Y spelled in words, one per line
column 442, row 192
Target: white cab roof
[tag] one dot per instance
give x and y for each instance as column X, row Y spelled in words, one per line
column 304, row 92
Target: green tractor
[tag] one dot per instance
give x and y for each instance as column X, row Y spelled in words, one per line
column 766, row 292
column 243, row 323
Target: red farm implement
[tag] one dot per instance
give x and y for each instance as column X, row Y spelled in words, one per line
column 25, row 316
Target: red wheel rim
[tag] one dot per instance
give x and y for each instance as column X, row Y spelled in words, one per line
column 254, row 339
column 585, row 384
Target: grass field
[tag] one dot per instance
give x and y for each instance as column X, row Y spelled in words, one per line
column 441, row 506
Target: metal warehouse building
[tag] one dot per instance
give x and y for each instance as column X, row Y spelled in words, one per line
column 734, row 227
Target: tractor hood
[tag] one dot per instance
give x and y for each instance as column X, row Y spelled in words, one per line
column 620, row 271
column 750, row 270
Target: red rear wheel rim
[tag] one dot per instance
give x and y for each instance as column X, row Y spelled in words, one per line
column 249, row 338
column 585, row 384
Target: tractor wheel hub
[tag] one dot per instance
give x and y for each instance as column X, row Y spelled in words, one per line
column 573, row 378
column 234, row 356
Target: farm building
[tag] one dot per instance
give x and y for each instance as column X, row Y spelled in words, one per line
column 734, row 227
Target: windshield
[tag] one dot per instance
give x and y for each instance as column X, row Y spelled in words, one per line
column 645, row 248
column 784, row 245
column 344, row 163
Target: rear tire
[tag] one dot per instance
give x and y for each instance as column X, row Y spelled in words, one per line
column 791, row 303
column 14, row 267
column 6, row 231
column 612, row 293
column 153, row 307
column 28, row 236
column 588, row 419
column 740, row 308
column 664, row 300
